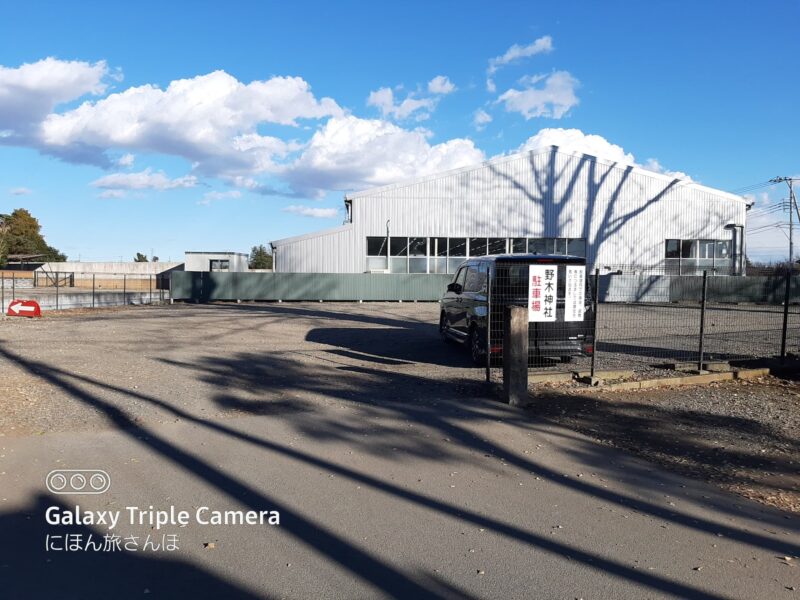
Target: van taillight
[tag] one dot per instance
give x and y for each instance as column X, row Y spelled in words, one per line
column 497, row 349
column 588, row 348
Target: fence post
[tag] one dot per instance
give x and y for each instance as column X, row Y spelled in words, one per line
column 786, row 313
column 702, row 321
column 594, row 325
column 93, row 281
column 488, row 325
column 149, row 289
column 3, row 294
column 124, row 289
column 13, row 285
column 515, row 355
column 56, row 290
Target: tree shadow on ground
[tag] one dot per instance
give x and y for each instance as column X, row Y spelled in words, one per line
column 445, row 415
column 702, row 445
column 29, row 570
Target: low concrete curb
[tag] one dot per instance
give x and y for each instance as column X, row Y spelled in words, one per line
column 687, row 380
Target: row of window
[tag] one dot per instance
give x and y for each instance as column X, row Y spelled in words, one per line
column 692, row 257
column 443, row 255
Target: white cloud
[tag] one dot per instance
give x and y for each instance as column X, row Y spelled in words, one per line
column 541, row 46
column 516, row 52
column 30, row 92
column 553, row 99
column 481, row 119
column 126, row 160
column 211, row 120
column 210, row 197
column 383, row 99
column 20, row 191
column 350, row 153
column 144, row 180
column 317, row 213
column 441, row 85
column 577, row 142
column 653, row 165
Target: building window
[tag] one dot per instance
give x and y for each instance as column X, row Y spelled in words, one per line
column 377, row 254
column 398, row 251
column 573, row 246
column 457, row 252
column 519, row 245
column 497, row 246
column 444, row 255
column 692, row 257
column 438, row 251
column 477, row 246
column 418, row 255
column 219, row 265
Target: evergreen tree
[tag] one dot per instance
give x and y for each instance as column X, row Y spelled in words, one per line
column 260, row 258
column 20, row 233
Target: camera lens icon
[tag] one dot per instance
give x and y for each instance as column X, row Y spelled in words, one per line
column 78, row 481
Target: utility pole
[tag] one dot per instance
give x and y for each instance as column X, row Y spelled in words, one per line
column 792, row 209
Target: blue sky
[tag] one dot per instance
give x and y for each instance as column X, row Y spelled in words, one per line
column 164, row 127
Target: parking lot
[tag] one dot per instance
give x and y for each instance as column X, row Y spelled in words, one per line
column 396, row 470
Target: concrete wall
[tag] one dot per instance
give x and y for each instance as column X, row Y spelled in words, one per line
column 128, row 268
column 72, row 299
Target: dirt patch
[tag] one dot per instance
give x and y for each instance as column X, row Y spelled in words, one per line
column 741, row 435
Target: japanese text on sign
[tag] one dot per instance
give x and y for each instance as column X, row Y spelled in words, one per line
column 542, row 285
column 574, row 296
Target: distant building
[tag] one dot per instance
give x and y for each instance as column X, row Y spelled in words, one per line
column 234, row 262
column 542, row 201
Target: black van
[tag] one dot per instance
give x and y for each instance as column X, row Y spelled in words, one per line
column 500, row 281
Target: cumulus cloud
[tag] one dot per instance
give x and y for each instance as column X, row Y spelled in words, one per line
column 126, row 160
column 30, row 92
column 516, row 52
column 441, row 85
column 554, row 98
column 577, row 142
column 144, row 180
column 211, row 120
column 210, row 197
column 20, row 191
column 653, row 165
column 308, row 211
column 350, row 153
column 383, row 99
column 481, row 119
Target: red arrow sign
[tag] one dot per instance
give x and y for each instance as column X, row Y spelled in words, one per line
column 24, row 308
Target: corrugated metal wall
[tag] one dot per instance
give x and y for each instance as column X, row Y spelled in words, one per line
column 625, row 213
column 306, row 286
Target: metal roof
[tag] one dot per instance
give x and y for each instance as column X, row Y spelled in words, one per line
column 537, row 152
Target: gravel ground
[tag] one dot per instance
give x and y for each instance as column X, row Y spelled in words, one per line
column 741, row 435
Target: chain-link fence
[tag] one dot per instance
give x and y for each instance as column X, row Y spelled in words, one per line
column 645, row 320
column 64, row 290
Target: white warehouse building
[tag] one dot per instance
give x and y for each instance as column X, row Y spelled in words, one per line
column 618, row 216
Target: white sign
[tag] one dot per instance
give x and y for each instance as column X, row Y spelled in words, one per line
column 542, row 285
column 575, row 293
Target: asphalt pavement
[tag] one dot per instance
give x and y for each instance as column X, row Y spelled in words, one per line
column 395, row 471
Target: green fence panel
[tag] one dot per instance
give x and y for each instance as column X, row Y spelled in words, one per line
column 307, row 286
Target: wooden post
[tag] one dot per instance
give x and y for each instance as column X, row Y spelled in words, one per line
column 515, row 355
